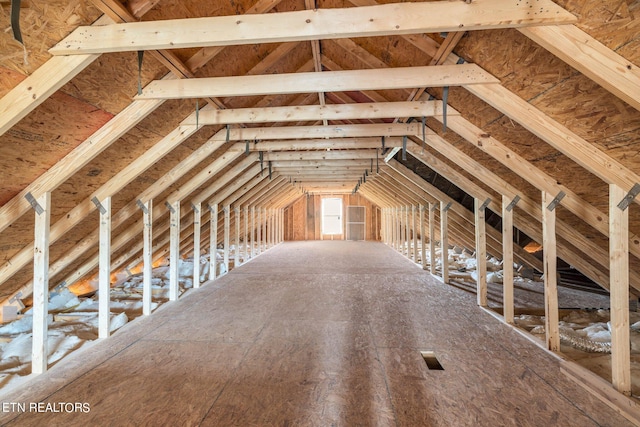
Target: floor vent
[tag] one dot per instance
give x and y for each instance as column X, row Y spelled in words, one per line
column 431, row 360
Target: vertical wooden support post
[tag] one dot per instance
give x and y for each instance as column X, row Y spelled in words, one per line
column 398, row 229
column 236, row 258
column 264, row 228
column 40, row 348
column 391, row 229
column 444, row 242
column 247, row 254
column 174, row 249
column 147, row 256
column 227, row 238
column 507, row 260
column 104, row 269
column 550, row 273
column 269, row 228
column 259, row 232
column 423, row 249
column 406, row 232
column 619, row 291
column 253, row 231
column 432, row 239
column 415, row 233
column 197, row 215
column 213, row 242
column 278, row 225
column 481, row 253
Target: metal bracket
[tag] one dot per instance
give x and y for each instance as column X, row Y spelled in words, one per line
column 445, row 97
column 484, row 204
column 228, row 133
column 446, row 208
column 18, row 294
column 170, row 207
column 246, row 148
column 209, row 208
column 195, row 208
column 142, row 206
column 554, row 203
column 197, row 113
column 34, row 203
column 269, row 169
column 261, row 158
column 513, row 203
column 624, row 203
column 382, row 139
column 434, row 207
column 98, row 205
column 404, row 148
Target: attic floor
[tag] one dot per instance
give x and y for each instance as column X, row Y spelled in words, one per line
column 315, row 333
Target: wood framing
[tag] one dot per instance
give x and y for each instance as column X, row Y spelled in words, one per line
column 371, row 110
column 550, row 273
column 40, row 348
column 481, row 253
column 413, row 18
column 619, row 255
column 104, row 286
column 329, row 81
column 147, row 256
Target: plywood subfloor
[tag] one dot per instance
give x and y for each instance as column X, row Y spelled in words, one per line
column 315, row 333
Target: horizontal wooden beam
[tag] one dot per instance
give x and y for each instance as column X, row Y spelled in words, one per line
column 381, row 20
column 330, row 81
column 359, row 164
column 317, row 144
column 332, row 131
column 320, row 155
column 373, row 110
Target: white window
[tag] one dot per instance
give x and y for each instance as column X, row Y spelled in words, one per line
column 332, row 216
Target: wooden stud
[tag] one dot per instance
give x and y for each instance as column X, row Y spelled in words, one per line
column 415, row 233
column 174, row 253
column 432, row 237
column 550, row 274
column 507, row 260
column 197, row 215
column 213, row 242
column 423, row 249
column 236, row 258
column 227, row 238
column 481, row 253
column 247, row 252
column 147, row 255
column 444, row 242
column 40, row 349
column 253, row 232
column 259, row 232
column 619, row 291
column 104, row 270
column 264, row 229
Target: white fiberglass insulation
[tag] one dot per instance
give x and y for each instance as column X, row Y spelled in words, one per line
column 73, row 320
